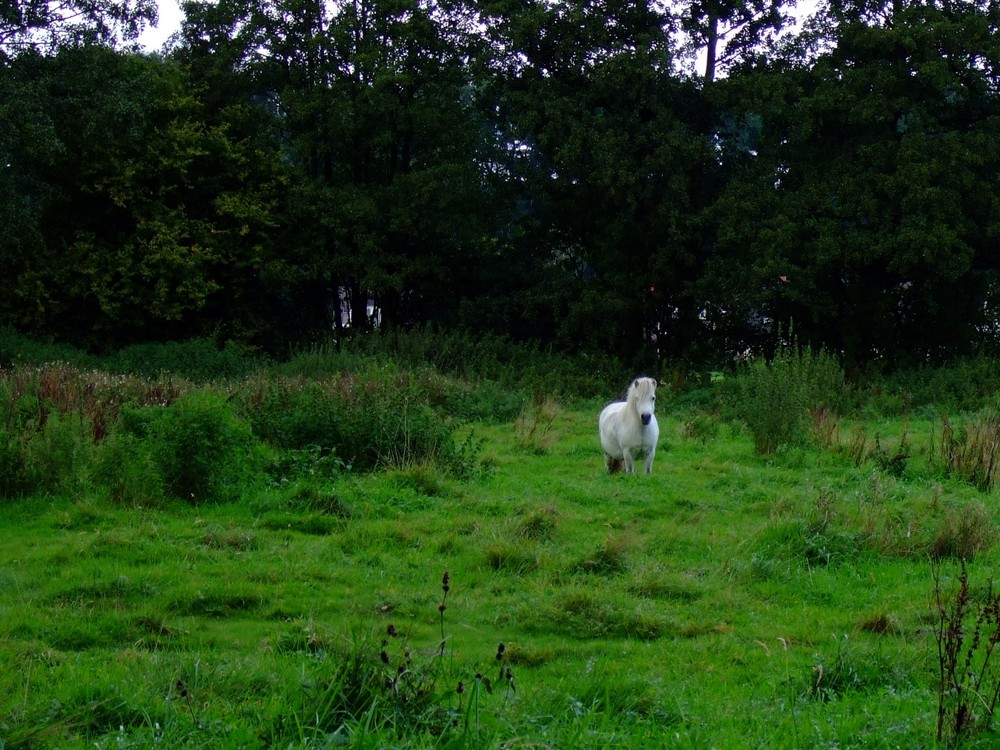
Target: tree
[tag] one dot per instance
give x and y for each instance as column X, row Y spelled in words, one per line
column 375, row 108
column 603, row 148
column 49, row 25
column 863, row 210
column 133, row 215
column 730, row 32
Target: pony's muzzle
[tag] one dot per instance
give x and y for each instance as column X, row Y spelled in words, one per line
column 645, row 418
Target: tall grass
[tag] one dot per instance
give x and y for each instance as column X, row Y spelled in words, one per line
column 508, row 365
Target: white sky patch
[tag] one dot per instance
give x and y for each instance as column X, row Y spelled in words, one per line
column 171, row 15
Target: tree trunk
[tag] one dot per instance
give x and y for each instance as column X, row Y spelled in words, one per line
column 711, row 47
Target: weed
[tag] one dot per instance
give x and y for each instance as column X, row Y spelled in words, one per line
column 533, row 428
column 126, row 468
column 538, row 524
column 825, row 427
column 851, row 669
column 972, row 453
column 964, row 532
column 611, row 558
column 511, row 557
column 701, row 427
column 967, row 636
column 203, row 450
column 881, row 623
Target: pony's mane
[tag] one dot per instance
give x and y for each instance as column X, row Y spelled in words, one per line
column 637, row 387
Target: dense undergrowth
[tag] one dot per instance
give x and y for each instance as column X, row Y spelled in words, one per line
column 778, row 563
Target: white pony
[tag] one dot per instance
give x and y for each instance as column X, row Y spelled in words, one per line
column 628, row 428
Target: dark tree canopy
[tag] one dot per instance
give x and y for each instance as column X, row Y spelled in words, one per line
column 552, row 170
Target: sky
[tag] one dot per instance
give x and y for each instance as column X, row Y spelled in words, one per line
column 152, row 39
column 171, row 15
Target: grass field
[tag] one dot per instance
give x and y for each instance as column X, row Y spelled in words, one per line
column 729, row 600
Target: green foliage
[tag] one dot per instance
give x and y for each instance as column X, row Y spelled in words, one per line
column 774, row 398
column 503, row 369
column 693, row 608
column 18, row 349
column 126, row 467
column 14, row 480
column 963, row 533
column 195, row 359
column 370, row 421
column 202, row 450
column 57, row 454
column 962, row 385
column 849, row 669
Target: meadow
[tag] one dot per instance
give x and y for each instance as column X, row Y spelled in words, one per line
column 350, row 550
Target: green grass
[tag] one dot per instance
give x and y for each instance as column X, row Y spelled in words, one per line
column 727, row 600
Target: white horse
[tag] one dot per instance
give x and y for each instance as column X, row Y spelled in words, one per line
column 628, row 428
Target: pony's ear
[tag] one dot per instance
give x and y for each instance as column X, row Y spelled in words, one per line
column 636, row 383
column 654, row 382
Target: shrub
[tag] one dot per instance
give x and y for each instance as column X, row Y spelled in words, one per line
column 196, row 359
column 378, row 420
column 125, row 466
column 512, row 366
column 202, row 449
column 56, row 454
column 13, row 471
column 964, row 532
column 533, row 428
column 961, row 385
column 17, row 349
column 853, row 670
column 774, row 399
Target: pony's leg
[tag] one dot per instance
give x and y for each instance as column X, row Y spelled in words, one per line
column 610, row 463
column 649, row 463
column 629, row 462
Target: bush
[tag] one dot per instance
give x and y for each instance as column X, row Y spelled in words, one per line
column 13, row 472
column 497, row 361
column 197, row 359
column 774, row 399
column 56, row 454
column 46, row 458
column 962, row 385
column 125, row 466
column 372, row 421
column 17, row 349
column 201, row 449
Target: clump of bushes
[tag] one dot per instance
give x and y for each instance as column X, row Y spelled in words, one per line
column 368, row 422
column 778, row 399
column 145, row 440
column 197, row 447
column 502, row 365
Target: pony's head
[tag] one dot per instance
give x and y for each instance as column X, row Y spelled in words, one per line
column 642, row 395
